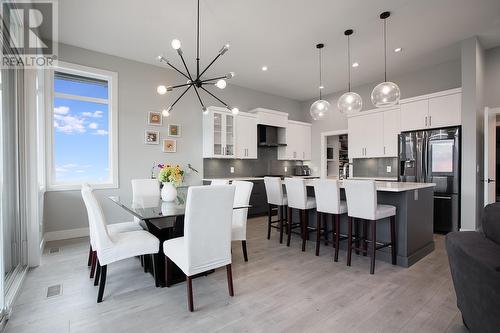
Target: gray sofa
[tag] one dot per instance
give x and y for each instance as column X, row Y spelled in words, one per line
column 475, row 268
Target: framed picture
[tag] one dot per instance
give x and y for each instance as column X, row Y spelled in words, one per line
column 155, row 118
column 151, row 137
column 169, row 146
column 174, row 130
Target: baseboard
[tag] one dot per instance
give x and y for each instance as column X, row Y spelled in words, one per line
column 464, row 229
column 65, row 234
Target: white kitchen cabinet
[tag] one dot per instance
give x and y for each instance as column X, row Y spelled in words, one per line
column 356, row 131
column 298, row 142
column 391, row 131
column 414, row 115
column 219, row 134
column 445, row 111
column 246, row 136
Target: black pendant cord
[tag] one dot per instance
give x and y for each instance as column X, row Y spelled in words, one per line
column 198, row 42
column 320, row 78
column 385, row 52
column 349, row 63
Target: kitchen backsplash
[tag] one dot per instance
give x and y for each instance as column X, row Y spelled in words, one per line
column 375, row 167
column 266, row 164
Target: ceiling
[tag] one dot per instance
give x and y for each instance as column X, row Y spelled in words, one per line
column 282, row 35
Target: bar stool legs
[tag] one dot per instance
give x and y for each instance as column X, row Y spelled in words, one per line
column 304, row 224
column 373, row 245
column 318, row 230
column 269, row 215
column 349, row 240
column 337, row 237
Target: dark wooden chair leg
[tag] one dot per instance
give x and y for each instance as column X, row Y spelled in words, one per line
column 365, row 237
column 349, row 240
column 244, row 247
column 93, row 264
column 285, row 211
column 97, row 274
column 337, row 237
column 289, row 229
column 393, row 240
column 303, row 224
column 230, row 280
column 269, row 213
column 281, row 212
column 89, row 261
column 189, row 283
column 325, row 227
column 156, row 270
column 104, row 270
column 356, row 235
column 318, row 231
column 306, row 214
column 373, row 245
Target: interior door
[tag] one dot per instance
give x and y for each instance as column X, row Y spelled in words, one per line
column 489, row 155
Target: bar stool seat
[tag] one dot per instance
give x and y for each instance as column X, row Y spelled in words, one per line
column 384, row 211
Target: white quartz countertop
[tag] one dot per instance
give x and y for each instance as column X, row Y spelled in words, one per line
column 385, row 186
column 250, row 178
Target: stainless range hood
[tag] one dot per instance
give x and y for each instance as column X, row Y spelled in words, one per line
column 268, row 136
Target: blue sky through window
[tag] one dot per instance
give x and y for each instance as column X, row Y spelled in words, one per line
column 81, row 138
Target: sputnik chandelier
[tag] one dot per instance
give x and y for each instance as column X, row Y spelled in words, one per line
column 197, row 82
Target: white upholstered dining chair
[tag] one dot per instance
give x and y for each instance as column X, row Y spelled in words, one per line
column 242, row 193
column 112, row 247
column 206, row 243
column 275, row 198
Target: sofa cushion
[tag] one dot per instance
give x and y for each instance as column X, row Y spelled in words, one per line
column 491, row 222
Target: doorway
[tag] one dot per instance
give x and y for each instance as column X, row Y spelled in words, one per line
column 491, row 155
column 334, row 159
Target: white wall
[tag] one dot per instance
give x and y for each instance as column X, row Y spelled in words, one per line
column 492, row 78
column 137, row 84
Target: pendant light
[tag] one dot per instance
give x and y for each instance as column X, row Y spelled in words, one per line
column 320, row 107
column 386, row 93
column 350, row 102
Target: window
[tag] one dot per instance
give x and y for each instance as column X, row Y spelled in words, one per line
column 83, row 128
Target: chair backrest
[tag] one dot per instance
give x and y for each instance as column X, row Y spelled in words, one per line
column 219, row 182
column 207, row 225
column 327, row 193
column 361, row 198
column 242, row 193
column 97, row 224
column 145, row 188
column 296, row 193
column 274, row 190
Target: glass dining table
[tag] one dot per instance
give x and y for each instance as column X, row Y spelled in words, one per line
column 165, row 220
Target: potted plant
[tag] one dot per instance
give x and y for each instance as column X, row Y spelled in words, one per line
column 170, row 176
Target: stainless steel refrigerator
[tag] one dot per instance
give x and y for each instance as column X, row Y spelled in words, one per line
column 433, row 156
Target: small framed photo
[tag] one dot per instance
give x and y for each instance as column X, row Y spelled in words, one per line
column 155, row 118
column 169, row 146
column 174, row 130
column 151, row 137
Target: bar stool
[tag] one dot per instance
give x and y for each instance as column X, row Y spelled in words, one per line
column 275, row 200
column 298, row 199
column 362, row 204
column 327, row 193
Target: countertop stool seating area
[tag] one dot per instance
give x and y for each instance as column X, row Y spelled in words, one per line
column 362, row 204
column 328, row 203
column 276, row 200
column 112, row 247
column 219, row 182
column 242, row 192
column 298, row 199
column 206, row 243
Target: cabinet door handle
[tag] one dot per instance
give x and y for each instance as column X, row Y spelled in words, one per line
column 430, row 120
column 425, row 121
column 384, row 150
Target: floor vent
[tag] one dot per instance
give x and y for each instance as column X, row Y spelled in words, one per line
column 53, row 250
column 55, row 290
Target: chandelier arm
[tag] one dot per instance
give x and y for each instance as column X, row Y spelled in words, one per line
column 178, row 98
column 182, row 85
column 210, row 64
column 217, row 98
column 199, row 98
column 213, row 79
column 179, row 71
column 185, row 66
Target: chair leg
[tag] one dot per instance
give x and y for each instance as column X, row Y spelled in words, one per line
column 190, row 293
column 373, row 245
column 93, row 264
column 104, row 270
column 97, row 274
column 269, row 211
column 349, row 240
column 306, row 214
column 156, row 271
column 325, row 227
column 365, row 237
column 318, row 231
column 285, row 221
column 337, row 237
column 244, row 247
column 289, row 224
column 303, row 224
column 356, row 235
column 281, row 210
column 89, row 261
column 230, row 280
column 393, row 240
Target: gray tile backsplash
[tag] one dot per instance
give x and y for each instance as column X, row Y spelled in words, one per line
column 375, row 167
column 266, row 164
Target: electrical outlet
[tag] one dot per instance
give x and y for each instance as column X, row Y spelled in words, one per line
column 232, row 169
column 388, row 169
column 286, row 169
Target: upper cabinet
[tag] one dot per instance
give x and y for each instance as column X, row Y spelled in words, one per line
column 436, row 110
column 373, row 134
column 297, row 136
column 246, row 136
column 219, row 134
column 391, row 132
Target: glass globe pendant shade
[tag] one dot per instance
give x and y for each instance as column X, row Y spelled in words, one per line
column 349, row 103
column 319, row 109
column 386, row 94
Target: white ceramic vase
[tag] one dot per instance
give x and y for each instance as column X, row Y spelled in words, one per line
column 168, row 192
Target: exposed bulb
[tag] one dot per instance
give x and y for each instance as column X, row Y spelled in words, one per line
column 319, row 109
column 235, row 111
column 224, row 49
column 230, row 75
column 176, row 44
column 205, row 110
column 162, row 90
column 221, row 84
column 349, row 103
column 166, row 112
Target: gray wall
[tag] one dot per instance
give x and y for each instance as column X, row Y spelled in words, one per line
column 137, row 84
column 492, row 78
column 436, row 78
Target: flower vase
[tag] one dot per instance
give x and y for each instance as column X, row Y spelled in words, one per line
column 168, row 192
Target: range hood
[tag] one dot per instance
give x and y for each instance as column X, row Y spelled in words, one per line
column 268, row 136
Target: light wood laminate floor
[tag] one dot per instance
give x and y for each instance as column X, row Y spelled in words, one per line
column 279, row 289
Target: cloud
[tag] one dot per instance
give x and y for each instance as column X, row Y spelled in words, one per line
column 68, row 124
column 100, row 132
column 95, row 114
column 93, row 126
column 63, row 110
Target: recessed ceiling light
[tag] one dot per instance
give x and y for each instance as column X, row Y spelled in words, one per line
column 355, row 64
column 398, row 49
column 321, row 87
column 264, row 68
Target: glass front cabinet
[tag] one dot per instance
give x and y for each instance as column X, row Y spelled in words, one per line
column 219, row 133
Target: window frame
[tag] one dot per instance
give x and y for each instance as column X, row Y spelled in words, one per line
column 112, row 101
